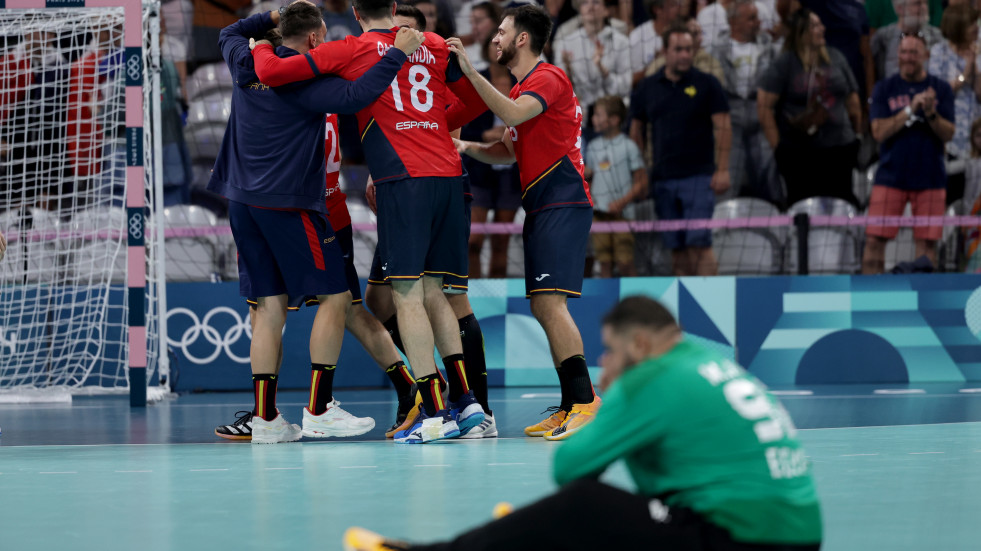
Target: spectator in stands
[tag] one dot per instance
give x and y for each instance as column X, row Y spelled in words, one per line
column 645, row 39
column 177, row 174
column 175, row 51
column 913, row 19
column 912, row 117
column 703, row 61
column 210, row 17
column 569, row 25
column 809, row 110
column 340, row 20
column 84, row 133
column 784, row 9
column 885, row 12
column 439, row 16
column 615, row 171
column 972, row 187
column 955, row 60
column 745, row 54
column 685, row 113
column 847, row 30
column 484, row 19
column 596, row 57
column 714, row 20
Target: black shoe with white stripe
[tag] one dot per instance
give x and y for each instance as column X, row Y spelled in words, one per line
column 241, row 429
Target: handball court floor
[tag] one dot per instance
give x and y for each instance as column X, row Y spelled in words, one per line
column 896, row 468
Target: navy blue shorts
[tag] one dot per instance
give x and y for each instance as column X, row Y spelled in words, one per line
column 503, row 194
column 289, row 252
column 421, row 229
column 555, row 250
column 689, row 198
column 345, row 238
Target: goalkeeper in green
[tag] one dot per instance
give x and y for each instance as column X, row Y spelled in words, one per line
column 714, row 456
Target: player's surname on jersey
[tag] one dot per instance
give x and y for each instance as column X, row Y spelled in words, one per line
column 421, row 55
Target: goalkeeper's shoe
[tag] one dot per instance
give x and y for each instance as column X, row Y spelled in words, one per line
column 467, row 412
column 580, row 416
column 407, row 411
column 553, row 421
column 359, row 539
column 241, row 429
column 275, row 431
column 429, row 429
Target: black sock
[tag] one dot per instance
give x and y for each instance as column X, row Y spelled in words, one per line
column 456, row 374
column 321, row 387
column 265, row 396
column 473, row 353
column 392, row 325
column 398, row 373
column 432, row 398
column 578, row 389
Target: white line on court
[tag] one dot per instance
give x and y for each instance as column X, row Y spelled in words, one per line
column 134, row 471
column 361, row 467
column 432, row 465
column 792, row 392
column 205, row 470
column 857, row 454
column 538, row 395
column 58, row 472
column 970, row 391
column 924, row 453
column 284, row 468
column 899, row 391
column 503, row 464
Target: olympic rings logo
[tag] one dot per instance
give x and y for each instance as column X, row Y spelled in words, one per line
column 202, row 327
column 134, row 67
column 136, row 225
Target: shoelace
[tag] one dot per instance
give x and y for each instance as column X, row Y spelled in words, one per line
column 553, row 410
column 242, row 417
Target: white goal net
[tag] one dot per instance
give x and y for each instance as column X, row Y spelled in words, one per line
column 75, row 172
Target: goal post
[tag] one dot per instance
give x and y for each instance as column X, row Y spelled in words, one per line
column 82, row 287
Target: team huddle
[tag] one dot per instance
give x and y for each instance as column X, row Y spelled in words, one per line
column 409, row 90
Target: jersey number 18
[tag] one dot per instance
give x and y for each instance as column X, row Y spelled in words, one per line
column 420, row 95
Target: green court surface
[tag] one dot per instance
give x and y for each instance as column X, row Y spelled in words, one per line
column 895, row 487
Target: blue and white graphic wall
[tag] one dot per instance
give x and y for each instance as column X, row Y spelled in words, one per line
column 786, row 330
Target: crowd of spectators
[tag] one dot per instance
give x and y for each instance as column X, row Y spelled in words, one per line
column 797, row 80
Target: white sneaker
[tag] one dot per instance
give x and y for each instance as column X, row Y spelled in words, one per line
column 275, row 431
column 334, row 422
column 486, row 429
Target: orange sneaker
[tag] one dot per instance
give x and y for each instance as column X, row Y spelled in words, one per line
column 551, row 422
column 406, row 421
column 580, row 416
column 359, row 539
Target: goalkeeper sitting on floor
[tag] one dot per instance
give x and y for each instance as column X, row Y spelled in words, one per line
column 714, row 456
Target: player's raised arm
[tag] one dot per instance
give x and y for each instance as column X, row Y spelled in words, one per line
column 336, row 95
column 234, row 41
column 512, row 112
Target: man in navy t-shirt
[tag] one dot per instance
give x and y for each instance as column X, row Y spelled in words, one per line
column 912, row 117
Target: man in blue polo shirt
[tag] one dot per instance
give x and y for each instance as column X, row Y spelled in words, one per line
column 686, row 115
column 912, row 116
column 271, row 168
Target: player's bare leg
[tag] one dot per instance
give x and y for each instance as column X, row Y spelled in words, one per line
column 565, row 343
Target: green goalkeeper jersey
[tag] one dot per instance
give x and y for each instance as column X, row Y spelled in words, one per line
column 700, row 432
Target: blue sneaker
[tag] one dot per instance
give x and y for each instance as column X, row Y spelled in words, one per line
column 429, row 429
column 467, row 412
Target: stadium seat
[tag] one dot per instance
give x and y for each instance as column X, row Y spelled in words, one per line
column 209, row 79
column 98, row 259
column 211, row 109
column 831, row 250
column 204, row 141
column 951, row 243
column 30, row 260
column 748, row 251
column 191, row 258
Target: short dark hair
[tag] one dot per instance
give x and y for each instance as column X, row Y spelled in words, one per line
column 677, row 27
column 639, row 311
column 492, row 9
column 614, row 107
column 408, row 10
column 534, row 21
column 298, row 19
column 373, row 9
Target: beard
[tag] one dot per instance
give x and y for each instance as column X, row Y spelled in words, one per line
column 508, row 54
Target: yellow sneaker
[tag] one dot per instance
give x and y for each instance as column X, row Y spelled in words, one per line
column 406, row 421
column 578, row 418
column 502, row 509
column 551, row 422
column 359, row 539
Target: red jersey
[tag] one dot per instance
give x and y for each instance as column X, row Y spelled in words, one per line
column 83, row 132
column 404, row 132
column 548, row 148
column 337, row 212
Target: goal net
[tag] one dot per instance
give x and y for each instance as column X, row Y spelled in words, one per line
column 80, row 281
